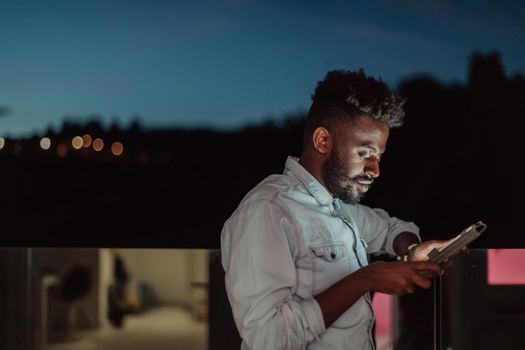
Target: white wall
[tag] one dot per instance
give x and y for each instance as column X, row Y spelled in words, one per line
column 169, row 271
column 105, row 279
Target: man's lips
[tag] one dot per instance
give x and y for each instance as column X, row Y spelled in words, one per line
column 364, row 184
column 368, row 183
column 365, row 181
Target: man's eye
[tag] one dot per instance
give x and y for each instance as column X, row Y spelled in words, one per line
column 368, row 155
column 364, row 155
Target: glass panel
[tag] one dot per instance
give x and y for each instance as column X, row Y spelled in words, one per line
column 77, row 298
column 477, row 304
column 383, row 308
column 15, row 299
column 61, row 299
column 413, row 321
column 482, row 301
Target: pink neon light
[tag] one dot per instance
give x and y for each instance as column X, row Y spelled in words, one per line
column 383, row 310
column 505, row 266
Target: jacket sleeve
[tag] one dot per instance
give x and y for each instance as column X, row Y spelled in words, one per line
column 379, row 229
column 257, row 245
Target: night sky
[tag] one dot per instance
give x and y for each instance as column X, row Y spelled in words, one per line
column 224, row 64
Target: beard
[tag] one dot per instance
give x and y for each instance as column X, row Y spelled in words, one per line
column 335, row 175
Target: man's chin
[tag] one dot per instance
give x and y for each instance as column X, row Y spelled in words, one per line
column 352, row 198
column 348, row 194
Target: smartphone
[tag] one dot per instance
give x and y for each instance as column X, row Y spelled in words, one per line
column 462, row 240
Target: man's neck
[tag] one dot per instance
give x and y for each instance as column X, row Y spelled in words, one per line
column 313, row 166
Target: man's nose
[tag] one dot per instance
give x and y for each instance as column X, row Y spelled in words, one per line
column 372, row 168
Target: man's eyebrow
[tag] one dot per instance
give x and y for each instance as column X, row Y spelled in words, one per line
column 372, row 148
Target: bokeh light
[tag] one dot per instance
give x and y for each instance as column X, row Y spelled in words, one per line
column 98, row 144
column 2, row 142
column 62, row 150
column 87, row 140
column 117, row 148
column 45, row 143
column 77, row 142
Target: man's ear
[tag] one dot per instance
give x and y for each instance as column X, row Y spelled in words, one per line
column 322, row 140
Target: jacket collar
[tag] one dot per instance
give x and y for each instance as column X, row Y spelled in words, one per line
column 310, row 183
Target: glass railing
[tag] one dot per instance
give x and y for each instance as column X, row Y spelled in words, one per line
column 76, row 298
column 101, row 299
column 480, row 301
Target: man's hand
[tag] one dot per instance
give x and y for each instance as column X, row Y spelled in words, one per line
column 396, row 278
column 400, row 277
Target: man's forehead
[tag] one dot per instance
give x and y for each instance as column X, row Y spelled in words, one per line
column 365, row 132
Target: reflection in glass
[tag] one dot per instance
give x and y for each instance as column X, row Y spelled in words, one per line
column 65, row 299
column 477, row 304
column 107, row 298
column 476, row 312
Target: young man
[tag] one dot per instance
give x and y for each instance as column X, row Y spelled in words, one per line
column 295, row 250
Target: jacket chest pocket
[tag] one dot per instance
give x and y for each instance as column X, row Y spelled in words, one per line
column 330, row 252
column 329, row 264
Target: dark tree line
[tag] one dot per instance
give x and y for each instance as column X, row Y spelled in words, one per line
column 456, row 161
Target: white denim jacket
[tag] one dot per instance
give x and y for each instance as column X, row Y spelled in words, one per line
column 289, row 240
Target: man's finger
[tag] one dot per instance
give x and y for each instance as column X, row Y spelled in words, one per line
column 428, row 273
column 426, row 265
column 421, row 281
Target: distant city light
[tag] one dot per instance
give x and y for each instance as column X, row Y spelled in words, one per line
column 98, row 144
column 117, row 148
column 62, row 150
column 87, row 140
column 45, row 143
column 2, row 143
column 77, row 142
